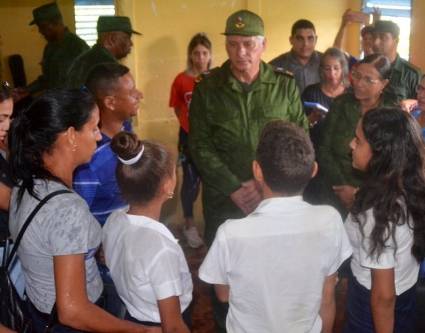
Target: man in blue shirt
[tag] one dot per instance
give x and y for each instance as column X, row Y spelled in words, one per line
column 118, row 100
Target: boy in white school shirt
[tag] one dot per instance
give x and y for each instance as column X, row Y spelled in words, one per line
column 277, row 266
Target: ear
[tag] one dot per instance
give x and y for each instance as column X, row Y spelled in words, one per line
column 315, row 169
column 109, row 102
column 257, row 172
column 385, row 83
column 291, row 40
column 71, row 135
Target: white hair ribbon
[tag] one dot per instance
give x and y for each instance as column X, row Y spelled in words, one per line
column 133, row 160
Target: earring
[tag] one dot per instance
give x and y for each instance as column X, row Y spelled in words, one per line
column 170, row 195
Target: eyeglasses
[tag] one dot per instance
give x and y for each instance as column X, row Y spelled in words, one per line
column 367, row 79
column 420, row 88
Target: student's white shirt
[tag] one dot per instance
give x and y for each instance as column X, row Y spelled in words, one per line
column 146, row 263
column 275, row 261
column 406, row 268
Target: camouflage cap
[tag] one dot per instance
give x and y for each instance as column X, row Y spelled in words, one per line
column 115, row 23
column 387, row 26
column 45, row 13
column 244, row 23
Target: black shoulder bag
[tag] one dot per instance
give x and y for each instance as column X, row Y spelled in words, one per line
column 13, row 313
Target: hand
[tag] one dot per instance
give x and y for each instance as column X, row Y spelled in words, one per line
column 408, row 105
column 346, row 194
column 100, row 255
column 347, row 17
column 315, row 116
column 247, row 197
column 19, row 93
column 376, row 14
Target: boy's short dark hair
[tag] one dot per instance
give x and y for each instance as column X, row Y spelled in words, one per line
column 286, row 156
column 302, row 24
column 102, row 78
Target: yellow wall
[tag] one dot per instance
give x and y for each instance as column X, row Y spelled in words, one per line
column 417, row 39
column 17, row 37
column 167, row 27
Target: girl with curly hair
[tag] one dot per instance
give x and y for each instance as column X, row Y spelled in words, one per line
column 386, row 226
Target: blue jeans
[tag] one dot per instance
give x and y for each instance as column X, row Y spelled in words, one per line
column 191, row 179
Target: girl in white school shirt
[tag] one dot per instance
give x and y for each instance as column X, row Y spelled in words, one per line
column 147, row 264
column 386, row 226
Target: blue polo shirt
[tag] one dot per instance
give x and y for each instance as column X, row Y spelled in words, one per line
column 96, row 181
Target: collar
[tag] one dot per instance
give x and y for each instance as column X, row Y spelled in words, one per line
column 397, row 64
column 99, row 47
column 279, row 204
column 147, row 222
column 315, row 56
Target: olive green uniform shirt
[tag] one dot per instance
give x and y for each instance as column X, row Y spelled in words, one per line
column 226, row 120
column 404, row 79
column 334, row 152
column 57, row 59
column 83, row 64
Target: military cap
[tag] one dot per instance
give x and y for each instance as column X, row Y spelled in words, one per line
column 45, row 13
column 115, row 23
column 387, row 26
column 244, row 23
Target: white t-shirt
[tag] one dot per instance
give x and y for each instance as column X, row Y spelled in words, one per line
column 146, row 263
column 63, row 226
column 276, row 261
column 406, row 268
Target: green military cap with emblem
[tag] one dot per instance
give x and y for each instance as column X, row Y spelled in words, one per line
column 115, row 23
column 45, row 13
column 244, row 23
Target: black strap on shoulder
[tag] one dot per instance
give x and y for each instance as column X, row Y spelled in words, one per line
column 28, row 221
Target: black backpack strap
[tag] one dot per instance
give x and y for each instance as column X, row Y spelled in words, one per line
column 28, row 221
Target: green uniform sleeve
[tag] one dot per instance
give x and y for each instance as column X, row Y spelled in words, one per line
column 328, row 162
column 297, row 115
column 214, row 172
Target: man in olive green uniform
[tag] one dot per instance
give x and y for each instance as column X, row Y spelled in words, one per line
column 405, row 77
column 229, row 108
column 114, row 43
column 62, row 48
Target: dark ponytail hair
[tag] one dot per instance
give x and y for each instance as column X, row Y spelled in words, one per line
column 395, row 183
column 139, row 182
column 35, row 130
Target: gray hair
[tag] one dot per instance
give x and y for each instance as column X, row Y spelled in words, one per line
column 340, row 57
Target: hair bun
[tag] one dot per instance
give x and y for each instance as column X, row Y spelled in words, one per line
column 126, row 145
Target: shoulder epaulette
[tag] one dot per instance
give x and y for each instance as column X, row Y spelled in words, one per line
column 204, row 75
column 283, row 71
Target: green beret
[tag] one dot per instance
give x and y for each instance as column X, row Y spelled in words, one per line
column 45, row 13
column 115, row 23
column 387, row 26
column 244, row 23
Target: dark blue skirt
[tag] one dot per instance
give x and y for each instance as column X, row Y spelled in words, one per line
column 359, row 312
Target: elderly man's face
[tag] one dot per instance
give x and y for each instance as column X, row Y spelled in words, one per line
column 245, row 52
column 122, row 43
